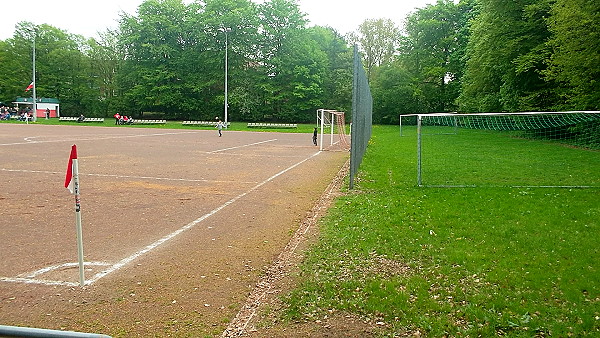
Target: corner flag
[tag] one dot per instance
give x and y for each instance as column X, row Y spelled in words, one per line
column 69, row 182
column 72, row 183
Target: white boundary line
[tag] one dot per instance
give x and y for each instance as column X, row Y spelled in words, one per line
column 28, row 141
column 60, row 266
column 125, row 261
column 30, row 278
column 242, row 146
column 123, row 176
column 37, row 281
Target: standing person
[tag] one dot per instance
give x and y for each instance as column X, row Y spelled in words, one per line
column 47, row 113
column 117, row 117
column 219, row 126
column 315, row 132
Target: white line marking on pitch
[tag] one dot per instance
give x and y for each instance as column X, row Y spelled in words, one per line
column 124, row 176
column 37, row 281
column 60, row 266
column 28, row 141
column 242, row 146
column 190, row 225
column 30, row 278
column 117, row 266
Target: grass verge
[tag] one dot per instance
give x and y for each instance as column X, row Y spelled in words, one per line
column 480, row 261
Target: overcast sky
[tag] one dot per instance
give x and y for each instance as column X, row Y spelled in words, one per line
column 87, row 17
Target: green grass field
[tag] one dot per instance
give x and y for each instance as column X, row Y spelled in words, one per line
column 471, row 261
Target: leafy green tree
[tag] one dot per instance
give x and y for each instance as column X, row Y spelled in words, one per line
column 433, row 51
column 575, row 60
column 234, row 22
column 62, row 70
column 337, row 82
column 394, row 92
column 506, row 56
column 300, row 81
column 15, row 67
column 106, row 60
column 377, row 40
column 169, row 59
column 154, row 43
column 293, row 65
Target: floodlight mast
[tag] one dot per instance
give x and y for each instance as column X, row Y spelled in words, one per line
column 226, row 66
column 34, row 116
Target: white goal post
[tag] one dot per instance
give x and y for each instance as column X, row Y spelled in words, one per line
column 331, row 118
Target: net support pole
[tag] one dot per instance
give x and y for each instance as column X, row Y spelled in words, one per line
column 78, row 223
column 400, row 125
column 332, row 120
column 419, row 181
column 322, row 128
column 455, row 125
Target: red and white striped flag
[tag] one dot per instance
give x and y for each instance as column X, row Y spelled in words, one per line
column 29, row 87
column 69, row 182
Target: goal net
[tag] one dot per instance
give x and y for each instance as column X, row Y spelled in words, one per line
column 332, row 122
column 536, row 149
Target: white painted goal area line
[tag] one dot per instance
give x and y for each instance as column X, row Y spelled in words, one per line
column 125, row 261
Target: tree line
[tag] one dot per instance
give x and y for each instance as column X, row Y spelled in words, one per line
column 168, row 59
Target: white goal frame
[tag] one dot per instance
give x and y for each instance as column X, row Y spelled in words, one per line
column 456, row 126
column 327, row 118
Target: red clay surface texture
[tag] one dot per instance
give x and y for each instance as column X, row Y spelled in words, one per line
column 178, row 225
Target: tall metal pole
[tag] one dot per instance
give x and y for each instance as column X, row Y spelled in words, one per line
column 226, row 102
column 33, row 72
column 419, row 179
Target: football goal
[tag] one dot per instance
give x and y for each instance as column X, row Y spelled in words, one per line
column 328, row 121
column 533, row 149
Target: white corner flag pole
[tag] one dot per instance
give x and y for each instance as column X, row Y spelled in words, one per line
column 72, row 183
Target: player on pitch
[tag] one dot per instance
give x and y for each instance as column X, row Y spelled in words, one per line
column 219, row 126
